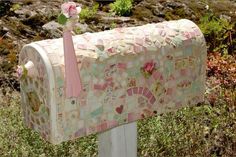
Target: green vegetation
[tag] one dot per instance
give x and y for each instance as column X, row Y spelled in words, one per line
column 17, row 140
column 192, row 131
column 113, row 25
column 203, row 130
column 62, row 19
column 218, row 33
column 77, row 30
column 122, row 7
column 88, row 14
column 15, row 7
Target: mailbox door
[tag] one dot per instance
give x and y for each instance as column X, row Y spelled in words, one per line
column 37, row 92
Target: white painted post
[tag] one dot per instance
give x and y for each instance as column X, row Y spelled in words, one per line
column 118, row 142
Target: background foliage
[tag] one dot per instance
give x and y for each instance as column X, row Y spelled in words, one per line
column 122, row 7
column 219, row 33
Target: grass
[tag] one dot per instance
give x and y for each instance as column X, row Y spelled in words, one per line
column 202, row 130
column 196, row 131
column 17, row 140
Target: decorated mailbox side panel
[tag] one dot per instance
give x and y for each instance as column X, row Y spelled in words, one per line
column 127, row 74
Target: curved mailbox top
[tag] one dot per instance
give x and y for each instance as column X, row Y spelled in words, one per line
column 129, row 40
column 127, row 74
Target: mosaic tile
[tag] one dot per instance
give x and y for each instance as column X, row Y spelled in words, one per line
column 127, row 74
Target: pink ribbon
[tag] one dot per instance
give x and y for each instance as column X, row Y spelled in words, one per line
column 73, row 85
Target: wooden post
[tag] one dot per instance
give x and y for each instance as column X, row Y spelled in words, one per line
column 119, row 142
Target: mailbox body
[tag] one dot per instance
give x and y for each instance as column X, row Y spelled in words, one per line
column 127, row 74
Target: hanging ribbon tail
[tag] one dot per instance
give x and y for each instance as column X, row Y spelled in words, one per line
column 73, row 85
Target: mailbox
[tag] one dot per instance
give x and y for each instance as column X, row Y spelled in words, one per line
column 126, row 74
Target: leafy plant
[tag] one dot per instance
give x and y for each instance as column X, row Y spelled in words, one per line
column 218, row 33
column 223, row 69
column 113, row 25
column 88, row 14
column 62, row 19
column 77, row 30
column 15, row 7
column 121, row 7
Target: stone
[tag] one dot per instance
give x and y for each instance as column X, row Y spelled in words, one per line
column 173, row 5
column 226, row 17
column 53, row 28
column 24, row 13
column 82, row 28
column 143, row 13
column 160, row 14
column 117, row 19
column 113, row 19
column 155, row 10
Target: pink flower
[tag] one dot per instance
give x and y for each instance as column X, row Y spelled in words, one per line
column 19, row 71
column 69, row 9
column 149, row 67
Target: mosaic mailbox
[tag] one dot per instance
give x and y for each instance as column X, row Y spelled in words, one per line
column 127, row 74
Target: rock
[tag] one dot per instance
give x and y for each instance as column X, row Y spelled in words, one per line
column 10, row 36
column 82, row 28
column 142, row 13
column 52, row 25
column 38, row 13
column 105, row 19
column 24, row 13
column 226, row 17
column 161, row 14
column 188, row 12
column 156, row 11
column 4, row 50
column 53, row 29
column 6, row 66
column 150, row 11
column 5, row 29
column 116, row 19
column 173, row 5
column 113, row 19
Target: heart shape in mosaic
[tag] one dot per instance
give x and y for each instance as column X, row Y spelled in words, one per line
column 119, row 109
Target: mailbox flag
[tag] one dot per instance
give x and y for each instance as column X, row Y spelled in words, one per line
column 73, row 85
